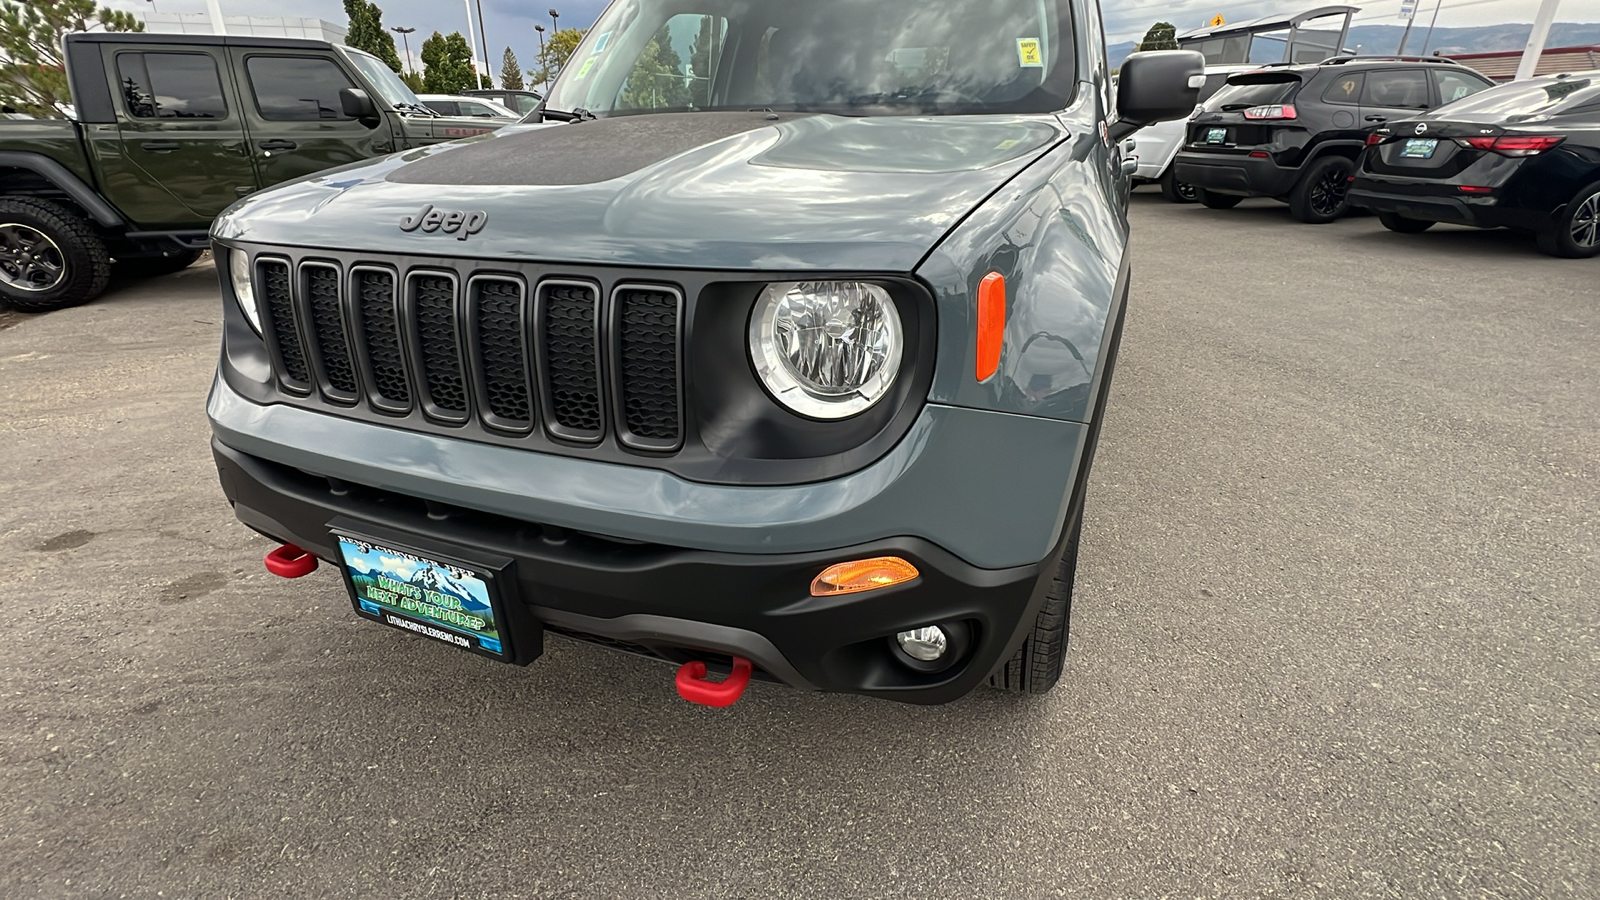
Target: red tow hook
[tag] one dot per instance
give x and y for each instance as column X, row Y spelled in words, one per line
column 290, row 561
column 693, row 687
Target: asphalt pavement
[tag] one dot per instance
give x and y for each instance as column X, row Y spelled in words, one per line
column 1335, row 635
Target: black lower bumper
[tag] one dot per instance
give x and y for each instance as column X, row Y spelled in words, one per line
column 1227, row 174
column 678, row 604
column 1479, row 211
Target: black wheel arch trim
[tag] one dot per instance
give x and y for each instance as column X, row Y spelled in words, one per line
column 68, row 183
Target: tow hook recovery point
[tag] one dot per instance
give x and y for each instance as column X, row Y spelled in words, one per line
column 693, row 686
column 289, row 561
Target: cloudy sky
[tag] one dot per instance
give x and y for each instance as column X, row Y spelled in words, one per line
column 510, row 22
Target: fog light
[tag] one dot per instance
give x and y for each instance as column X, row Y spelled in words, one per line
column 924, row 644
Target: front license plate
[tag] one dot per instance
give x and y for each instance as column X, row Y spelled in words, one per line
column 435, row 598
column 1419, row 148
column 1217, row 136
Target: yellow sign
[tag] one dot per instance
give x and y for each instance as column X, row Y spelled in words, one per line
column 1030, row 53
column 1218, row 21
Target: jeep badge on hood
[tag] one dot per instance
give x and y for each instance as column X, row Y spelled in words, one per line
column 455, row 221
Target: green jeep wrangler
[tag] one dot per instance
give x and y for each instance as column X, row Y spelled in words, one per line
column 781, row 352
column 171, row 130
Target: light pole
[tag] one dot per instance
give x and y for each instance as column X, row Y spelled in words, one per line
column 544, row 64
column 555, row 28
column 405, row 35
column 472, row 45
column 483, row 36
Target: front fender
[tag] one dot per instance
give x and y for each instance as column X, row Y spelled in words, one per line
column 1058, row 232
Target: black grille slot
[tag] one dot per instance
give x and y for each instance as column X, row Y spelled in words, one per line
column 647, row 353
column 498, row 327
column 439, row 341
column 279, row 307
column 380, row 334
column 327, row 321
column 571, row 359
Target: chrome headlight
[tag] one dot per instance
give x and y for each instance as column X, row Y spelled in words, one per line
column 826, row 349
column 244, row 286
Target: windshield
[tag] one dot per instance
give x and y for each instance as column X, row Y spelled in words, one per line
column 1523, row 101
column 1239, row 93
column 391, row 90
column 856, row 57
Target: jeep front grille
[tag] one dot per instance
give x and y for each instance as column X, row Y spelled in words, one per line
column 469, row 348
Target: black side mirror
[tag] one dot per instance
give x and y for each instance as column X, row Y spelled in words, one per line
column 356, row 104
column 1157, row 86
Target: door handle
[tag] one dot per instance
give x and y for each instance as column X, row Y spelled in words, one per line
column 161, row 146
column 1377, row 118
column 277, row 144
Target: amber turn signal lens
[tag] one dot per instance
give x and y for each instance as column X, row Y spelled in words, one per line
column 991, row 324
column 862, row 575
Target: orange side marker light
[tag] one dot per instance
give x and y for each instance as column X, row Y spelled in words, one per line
column 991, row 323
column 862, row 575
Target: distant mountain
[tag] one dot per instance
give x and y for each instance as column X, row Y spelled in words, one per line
column 1374, row 39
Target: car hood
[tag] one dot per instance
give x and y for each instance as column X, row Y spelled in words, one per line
column 755, row 190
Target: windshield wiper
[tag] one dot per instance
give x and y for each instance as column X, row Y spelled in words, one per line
column 577, row 115
column 417, row 107
column 1234, row 107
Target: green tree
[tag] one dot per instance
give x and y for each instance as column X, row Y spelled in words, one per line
column 1161, row 36
column 367, row 32
column 510, row 71
column 33, row 77
column 657, row 80
column 446, row 64
column 557, row 50
column 413, row 81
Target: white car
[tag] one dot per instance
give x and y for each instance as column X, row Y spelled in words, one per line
column 1156, row 146
column 468, row 107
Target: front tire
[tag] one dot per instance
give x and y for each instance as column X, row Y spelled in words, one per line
column 1575, row 234
column 1176, row 191
column 1404, row 225
column 49, row 257
column 1214, row 200
column 1323, row 192
column 1036, row 666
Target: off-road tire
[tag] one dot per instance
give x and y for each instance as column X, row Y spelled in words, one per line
column 1403, row 225
column 87, row 269
column 1575, row 234
column 152, row 266
column 1214, row 200
column 1174, row 190
column 1036, row 666
column 1323, row 192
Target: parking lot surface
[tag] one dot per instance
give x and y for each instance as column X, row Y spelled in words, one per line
column 1335, row 635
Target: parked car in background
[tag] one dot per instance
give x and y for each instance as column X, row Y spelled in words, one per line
column 167, row 131
column 467, row 107
column 1294, row 132
column 519, row 102
column 1157, row 146
column 1523, row 155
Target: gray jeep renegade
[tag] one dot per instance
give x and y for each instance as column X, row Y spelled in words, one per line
column 775, row 344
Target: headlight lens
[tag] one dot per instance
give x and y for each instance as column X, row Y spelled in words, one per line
column 826, row 349
column 244, row 286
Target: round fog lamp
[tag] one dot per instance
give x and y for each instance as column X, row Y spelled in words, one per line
column 826, row 349
column 924, row 644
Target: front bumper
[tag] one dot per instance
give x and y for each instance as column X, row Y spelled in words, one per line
column 675, row 603
column 1235, row 174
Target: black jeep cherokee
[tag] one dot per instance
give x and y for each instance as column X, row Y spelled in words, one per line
column 1293, row 132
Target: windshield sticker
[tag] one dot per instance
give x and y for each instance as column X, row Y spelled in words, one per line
column 1030, row 53
column 600, row 44
column 1008, row 143
column 583, row 71
column 1348, row 86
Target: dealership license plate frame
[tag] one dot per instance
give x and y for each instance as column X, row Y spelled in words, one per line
column 1419, row 148
column 519, row 642
column 1216, row 135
